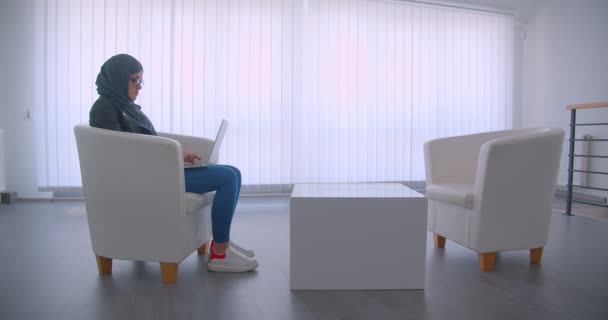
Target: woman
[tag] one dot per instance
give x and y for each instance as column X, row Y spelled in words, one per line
column 118, row 84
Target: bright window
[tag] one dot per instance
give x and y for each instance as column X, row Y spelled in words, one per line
column 315, row 91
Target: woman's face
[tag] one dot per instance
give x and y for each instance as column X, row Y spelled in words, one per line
column 135, row 84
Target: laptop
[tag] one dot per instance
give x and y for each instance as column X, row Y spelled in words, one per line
column 215, row 149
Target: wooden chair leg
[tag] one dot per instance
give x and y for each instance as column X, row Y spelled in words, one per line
column 487, row 261
column 203, row 249
column 169, row 272
column 104, row 265
column 535, row 255
column 439, row 241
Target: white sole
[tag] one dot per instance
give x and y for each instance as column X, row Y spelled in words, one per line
column 216, row 268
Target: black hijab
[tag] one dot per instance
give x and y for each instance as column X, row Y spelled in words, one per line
column 113, row 79
column 113, row 84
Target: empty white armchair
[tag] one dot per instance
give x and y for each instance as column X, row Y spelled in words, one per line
column 493, row 191
column 136, row 203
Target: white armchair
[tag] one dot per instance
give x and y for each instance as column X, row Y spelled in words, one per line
column 136, row 203
column 493, row 191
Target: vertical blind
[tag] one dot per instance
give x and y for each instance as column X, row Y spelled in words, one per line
column 381, row 78
column 315, row 91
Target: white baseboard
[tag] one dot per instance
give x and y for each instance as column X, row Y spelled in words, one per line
column 35, row 195
column 278, row 190
column 562, row 190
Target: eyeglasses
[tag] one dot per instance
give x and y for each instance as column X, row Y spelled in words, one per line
column 138, row 82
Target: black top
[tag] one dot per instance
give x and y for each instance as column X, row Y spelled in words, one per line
column 109, row 114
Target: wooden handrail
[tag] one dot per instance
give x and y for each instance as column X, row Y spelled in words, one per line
column 587, row 105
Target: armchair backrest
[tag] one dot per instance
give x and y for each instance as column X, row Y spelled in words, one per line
column 134, row 193
column 515, row 184
column 463, row 152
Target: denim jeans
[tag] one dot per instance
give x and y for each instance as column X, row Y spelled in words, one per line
column 226, row 182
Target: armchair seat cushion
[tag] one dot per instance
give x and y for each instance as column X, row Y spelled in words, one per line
column 460, row 194
column 195, row 201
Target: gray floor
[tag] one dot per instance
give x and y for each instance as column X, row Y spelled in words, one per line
column 47, row 271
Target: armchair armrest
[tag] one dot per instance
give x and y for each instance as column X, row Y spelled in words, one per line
column 519, row 170
column 516, row 181
column 134, row 190
column 459, row 194
column 199, row 145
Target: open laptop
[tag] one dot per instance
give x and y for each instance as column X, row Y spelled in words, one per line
column 215, row 149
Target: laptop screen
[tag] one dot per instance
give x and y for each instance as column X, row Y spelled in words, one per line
column 217, row 144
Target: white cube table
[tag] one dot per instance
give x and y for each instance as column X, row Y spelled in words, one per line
column 357, row 236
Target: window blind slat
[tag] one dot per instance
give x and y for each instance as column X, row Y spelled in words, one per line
column 315, row 91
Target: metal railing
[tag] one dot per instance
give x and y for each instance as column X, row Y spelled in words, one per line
column 572, row 154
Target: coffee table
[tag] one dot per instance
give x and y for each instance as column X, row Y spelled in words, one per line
column 357, row 236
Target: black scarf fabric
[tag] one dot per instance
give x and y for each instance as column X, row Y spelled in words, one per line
column 113, row 84
column 113, row 79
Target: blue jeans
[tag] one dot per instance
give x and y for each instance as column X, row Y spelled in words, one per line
column 226, row 182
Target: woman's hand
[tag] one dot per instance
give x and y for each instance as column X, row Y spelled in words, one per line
column 190, row 156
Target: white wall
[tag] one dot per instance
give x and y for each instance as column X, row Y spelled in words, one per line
column 566, row 62
column 18, row 73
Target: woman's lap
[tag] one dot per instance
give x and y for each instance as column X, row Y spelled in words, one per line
column 210, row 178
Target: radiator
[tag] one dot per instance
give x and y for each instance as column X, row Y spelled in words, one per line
column 2, row 159
column 582, row 163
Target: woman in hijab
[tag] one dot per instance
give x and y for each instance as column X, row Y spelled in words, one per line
column 118, row 84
